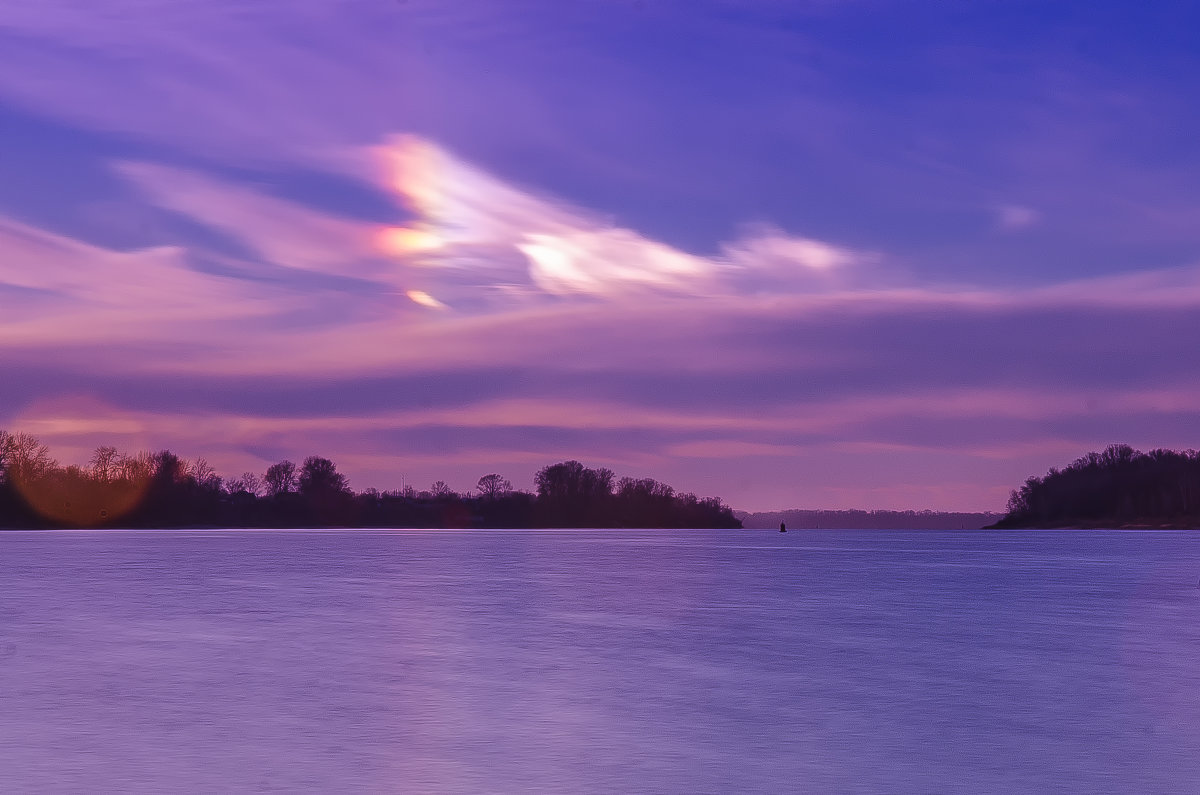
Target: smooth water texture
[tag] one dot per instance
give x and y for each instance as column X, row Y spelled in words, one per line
column 600, row 661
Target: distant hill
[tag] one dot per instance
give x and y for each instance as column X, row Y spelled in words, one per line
column 800, row 519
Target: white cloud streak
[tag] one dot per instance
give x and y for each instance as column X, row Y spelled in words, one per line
column 465, row 215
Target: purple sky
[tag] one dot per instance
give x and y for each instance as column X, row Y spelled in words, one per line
column 795, row 254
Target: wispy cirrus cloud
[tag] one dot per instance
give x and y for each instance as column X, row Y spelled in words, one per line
column 705, row 351
column 81, row 292
column 475, row 238
column 465, row 215
column 277, row 231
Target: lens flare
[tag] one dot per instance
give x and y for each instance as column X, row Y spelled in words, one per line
column 416, row 169
column 102, row 490
column 406, row 241
column 76, row 500
column 424, row 299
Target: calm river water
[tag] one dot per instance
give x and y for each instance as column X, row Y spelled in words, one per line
column 600, row 661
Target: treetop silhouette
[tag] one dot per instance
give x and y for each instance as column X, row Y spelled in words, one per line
column 164, row 490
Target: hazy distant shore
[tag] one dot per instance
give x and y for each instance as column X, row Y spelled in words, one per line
column 807, row 519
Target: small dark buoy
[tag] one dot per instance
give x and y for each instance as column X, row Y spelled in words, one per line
column 782, row 527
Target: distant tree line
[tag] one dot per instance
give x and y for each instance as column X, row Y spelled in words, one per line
column 802, row 519
column 1118, row 487
column 163, row 490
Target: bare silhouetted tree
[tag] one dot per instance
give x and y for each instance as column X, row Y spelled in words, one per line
column 25, row 458
column 105, row 464
column 492, row 486
column 246, row 483
column 280, row 478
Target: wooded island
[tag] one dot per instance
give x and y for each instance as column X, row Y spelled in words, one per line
column 1120, row 487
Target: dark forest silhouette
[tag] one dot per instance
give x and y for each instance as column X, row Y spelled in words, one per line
column 163, row 490
column 1120, row 487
